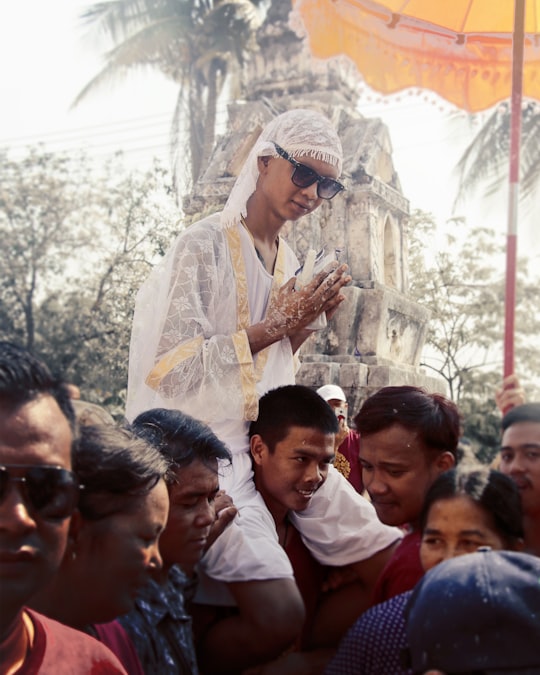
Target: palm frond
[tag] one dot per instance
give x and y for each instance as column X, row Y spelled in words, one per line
column 119, row 19
column 160, row 45
column 196, row 43
column 485, row 161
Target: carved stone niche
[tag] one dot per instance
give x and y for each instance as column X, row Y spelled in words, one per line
column 377, row 335
column 375, row 339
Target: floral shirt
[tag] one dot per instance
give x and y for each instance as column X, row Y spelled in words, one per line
column 160, row 627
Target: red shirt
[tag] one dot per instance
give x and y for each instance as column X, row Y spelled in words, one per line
column 118, row 641
column 60, row 650
column 309, row 575
column 402, row 571
column 346, row 461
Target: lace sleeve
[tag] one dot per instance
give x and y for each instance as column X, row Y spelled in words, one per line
column 185, row 347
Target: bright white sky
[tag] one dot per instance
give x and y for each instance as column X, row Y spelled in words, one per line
column 47, row 59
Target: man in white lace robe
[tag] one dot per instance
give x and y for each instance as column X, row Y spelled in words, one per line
column 216, row 325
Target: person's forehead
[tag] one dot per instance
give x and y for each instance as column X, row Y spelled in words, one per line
column 197, row 477
column 334, row 402
column 155, row 503
column 308, row 439
column 460, row 511
column 522, row 433
column 36, row 432
column 394, row 442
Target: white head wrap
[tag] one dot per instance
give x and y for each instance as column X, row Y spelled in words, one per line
column 300, row 132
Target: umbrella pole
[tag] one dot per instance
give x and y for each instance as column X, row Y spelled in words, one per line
column 513, row 196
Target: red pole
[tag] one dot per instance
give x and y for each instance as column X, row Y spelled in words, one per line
column 513, row 196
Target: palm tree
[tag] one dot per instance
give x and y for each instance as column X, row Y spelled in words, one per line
column 196, row 43
column 486, row 159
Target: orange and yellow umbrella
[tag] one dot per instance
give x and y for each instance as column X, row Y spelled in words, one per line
column 473, row 53
column 461, row 49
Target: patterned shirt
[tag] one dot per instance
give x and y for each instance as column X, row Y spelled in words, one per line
column 374, row 644
column 160, row 627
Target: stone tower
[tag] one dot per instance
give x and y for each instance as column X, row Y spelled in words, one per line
column 377, row 335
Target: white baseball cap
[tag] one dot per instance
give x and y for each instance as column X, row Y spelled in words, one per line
column 331, row 391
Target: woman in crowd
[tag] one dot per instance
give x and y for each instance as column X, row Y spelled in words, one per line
column 465, row 509
column 113, row 547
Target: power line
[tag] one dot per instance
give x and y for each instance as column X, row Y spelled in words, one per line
column 165, row 117
column 104, row 128
column 126, row 135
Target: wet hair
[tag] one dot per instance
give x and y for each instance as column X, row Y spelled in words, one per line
column 435, row 418
column 291, row 406
column 492, row 490
column 180, row 438
column 115, row 468
column 24, row 378
column 527, row 412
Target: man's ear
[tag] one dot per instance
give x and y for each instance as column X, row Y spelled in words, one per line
column 258, row 448
column 445, row 461
column 262, row 163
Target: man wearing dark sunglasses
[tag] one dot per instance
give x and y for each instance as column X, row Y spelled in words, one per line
column 38, row 495
column 304, row 176
column 216, row 326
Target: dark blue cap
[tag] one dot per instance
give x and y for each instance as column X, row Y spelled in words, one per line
column 477, row 612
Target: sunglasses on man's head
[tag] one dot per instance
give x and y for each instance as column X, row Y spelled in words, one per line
column 50, row 491
column 303, row 176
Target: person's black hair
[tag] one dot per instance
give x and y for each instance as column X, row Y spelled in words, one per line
column 434, row 417
column 492, row 490
column 24, row 377
column 289, row 406
column 115, row 468
column 527, row 412
column 180, row 437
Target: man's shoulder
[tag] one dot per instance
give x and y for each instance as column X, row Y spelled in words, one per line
column 206, row 227
column 202, row 236
column 406, row 553
column 78, row 653
column 410, row 544
column 402, row 571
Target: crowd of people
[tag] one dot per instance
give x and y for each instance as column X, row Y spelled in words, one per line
column 233, row 522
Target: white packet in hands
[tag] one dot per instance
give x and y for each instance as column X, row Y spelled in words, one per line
column 314, row 263
column 304, row 274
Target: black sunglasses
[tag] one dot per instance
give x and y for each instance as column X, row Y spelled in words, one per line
column 303, row 176
column 51, row 491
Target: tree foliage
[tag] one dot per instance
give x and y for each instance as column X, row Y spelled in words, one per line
column 76, row 245
column 459, row 276
column 195, row 43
